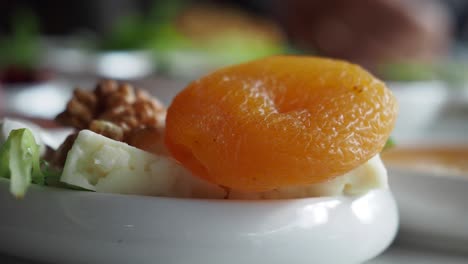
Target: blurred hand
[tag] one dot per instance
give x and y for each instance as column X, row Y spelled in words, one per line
column 370, row 32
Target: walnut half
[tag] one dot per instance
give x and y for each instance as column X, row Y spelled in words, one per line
column 119, row 104
column 115, row 110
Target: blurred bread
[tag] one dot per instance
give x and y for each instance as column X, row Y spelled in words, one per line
column 371, row 32
column 202, row 23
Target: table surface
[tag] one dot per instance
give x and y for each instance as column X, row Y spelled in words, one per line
column 414, row 255
column 396, row 254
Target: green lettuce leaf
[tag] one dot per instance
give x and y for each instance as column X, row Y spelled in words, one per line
column 19, row 161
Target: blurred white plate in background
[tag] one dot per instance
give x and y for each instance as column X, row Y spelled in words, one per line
column 430, row 112
column 419, row 106
column 43, row 100
column 433, row 208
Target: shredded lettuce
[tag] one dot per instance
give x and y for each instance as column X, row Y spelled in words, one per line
column 19, row 157
column 20, row 162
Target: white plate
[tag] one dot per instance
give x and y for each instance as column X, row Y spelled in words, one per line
column 125, row 64
column 430, row 112
column 64, row 226
column 433, row 207
column 420, row 104
column 43, row 100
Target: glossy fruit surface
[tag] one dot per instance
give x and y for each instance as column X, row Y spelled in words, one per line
column 280, row 121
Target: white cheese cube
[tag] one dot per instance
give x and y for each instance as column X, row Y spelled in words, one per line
column 101, row 164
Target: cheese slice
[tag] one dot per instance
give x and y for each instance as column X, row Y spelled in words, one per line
column 100, row 164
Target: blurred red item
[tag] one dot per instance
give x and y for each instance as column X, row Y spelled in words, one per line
column 2, row 101
column 371, row 32
column 16, row 75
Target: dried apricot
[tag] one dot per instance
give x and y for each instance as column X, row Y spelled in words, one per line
column 280, row 121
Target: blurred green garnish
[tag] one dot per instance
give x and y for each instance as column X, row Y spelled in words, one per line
column 389, row 144
column 453, row 73
column 21, row 48
column 165, row 11
column 407, row 72
column 166, row 37
column 128, row 34
column 154, row 31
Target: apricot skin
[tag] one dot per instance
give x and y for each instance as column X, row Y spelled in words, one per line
column 280, row 121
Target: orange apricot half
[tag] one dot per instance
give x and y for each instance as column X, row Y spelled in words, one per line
column 280, row 121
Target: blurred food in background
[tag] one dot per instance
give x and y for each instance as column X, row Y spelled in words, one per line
column 416, row 46
column 222, row 36
column 20, row 52
column 371, row 33
column 187, row 40
column 26, row 86
column 134, row 39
